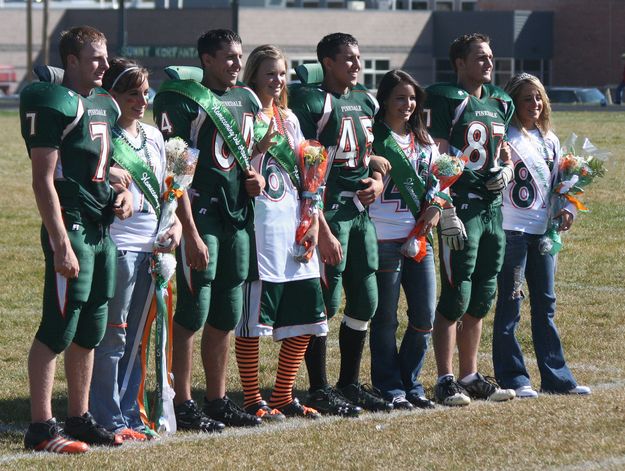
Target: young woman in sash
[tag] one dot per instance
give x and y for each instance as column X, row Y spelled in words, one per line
column 283, row 298
column 114, row 392
column 527, row 213
column 400, row 135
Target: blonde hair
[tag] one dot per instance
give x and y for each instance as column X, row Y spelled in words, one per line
column 256, row 58
column 513, row 88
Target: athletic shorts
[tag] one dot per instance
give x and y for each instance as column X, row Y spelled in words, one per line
column 469, row 276
column 283, row 310
column 356, row 272
column 76, row 310
column 213, row 296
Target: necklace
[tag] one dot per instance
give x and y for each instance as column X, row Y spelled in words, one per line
column 280, row 124
column 142, row 148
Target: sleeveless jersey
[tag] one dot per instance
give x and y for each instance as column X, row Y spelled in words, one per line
column 80, row 128
column 343, row 124
column 472, row 126
column 217, row 174
column 276, row 217
column 524, row 207
column 137, row 233
column 390, row 214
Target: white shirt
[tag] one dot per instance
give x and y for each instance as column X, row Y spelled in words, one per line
column 138, row 232
column 390, row 214
column 276, row 217
column 525, row 206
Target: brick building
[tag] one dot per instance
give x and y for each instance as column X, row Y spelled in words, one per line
column 565, row 42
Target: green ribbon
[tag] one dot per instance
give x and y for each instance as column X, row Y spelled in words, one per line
column 218, row 113
column 139, row 170
column 159, row 361
column 410, row 185
column 281, row 151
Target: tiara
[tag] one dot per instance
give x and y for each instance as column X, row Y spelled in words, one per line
column 526, row 76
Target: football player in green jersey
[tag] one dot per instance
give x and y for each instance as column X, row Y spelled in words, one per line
column 470, row 117
column 214, row 254
column 67, row 132
column 340, row 116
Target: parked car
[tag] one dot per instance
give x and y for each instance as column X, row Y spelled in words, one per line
column 576, row 95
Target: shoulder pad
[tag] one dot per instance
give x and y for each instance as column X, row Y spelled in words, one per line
column 181, row 72
column 309, row 73
column 497, row 92
column 50, row 95
column 47, row 73
column 447, row 90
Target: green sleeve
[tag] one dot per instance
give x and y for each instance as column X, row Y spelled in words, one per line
column 45, row 112
column 440, row 116
column 302, row 103
column 174, row 114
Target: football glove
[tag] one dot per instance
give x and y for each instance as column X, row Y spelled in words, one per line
column 452, row 229
column 501, row 179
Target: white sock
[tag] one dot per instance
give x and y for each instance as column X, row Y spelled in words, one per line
column 441, row 378
column 468, row 378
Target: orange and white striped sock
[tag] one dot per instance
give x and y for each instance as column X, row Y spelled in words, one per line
column 291, row 356
column 247, row 352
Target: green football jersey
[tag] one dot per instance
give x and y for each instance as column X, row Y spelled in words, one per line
column 80, row 128
column 344, row 125
column 217, row 174
column 473, row 126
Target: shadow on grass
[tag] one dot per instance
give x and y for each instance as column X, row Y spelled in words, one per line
column 15, row 413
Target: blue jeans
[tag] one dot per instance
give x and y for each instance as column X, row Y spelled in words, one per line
column 524, row 261
column 395, row 372
column 111, row 359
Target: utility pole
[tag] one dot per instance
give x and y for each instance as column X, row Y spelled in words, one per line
column 45, row 46
column 122, row 37
column 29, row 40
column 235, row 16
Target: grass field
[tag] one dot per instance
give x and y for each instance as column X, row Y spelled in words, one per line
column 552, row 432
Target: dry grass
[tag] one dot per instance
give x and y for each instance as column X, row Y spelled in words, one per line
column 552, row 432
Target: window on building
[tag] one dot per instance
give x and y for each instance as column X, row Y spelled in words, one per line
column 467, row 5
column 444, row 72
column 374, row 70
column 296, row 62
column 444, row 5
column 416, row 5
column 538, row 67
column 503, row 71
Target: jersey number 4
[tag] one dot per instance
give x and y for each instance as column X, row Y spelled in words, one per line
column 348, row 150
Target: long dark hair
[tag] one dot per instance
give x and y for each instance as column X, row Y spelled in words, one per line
column 415, row 124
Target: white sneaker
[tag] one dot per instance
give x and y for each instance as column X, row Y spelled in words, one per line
column 526, row 392
column 486, row 388
column 580, row 390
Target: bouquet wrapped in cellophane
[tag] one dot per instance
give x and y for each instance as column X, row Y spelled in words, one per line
column 446, row 169
column 575, row 171
column 181, row 163
column 312, row 160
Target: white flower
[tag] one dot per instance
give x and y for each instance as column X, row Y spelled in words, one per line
column 175, row 147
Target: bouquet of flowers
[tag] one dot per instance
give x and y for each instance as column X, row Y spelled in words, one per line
column 312, row 161
column 181, row 163
column 446, row 169
column 574, row 173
